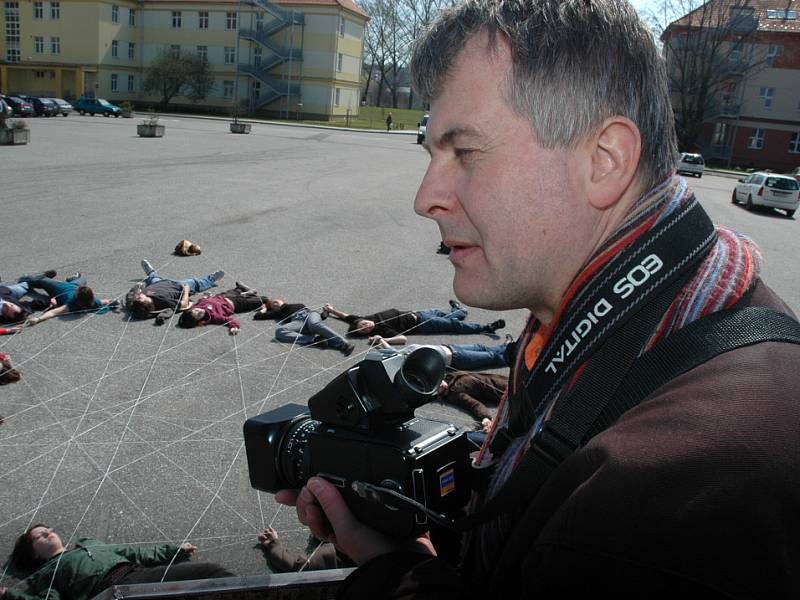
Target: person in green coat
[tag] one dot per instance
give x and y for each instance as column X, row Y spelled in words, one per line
column 92, row 566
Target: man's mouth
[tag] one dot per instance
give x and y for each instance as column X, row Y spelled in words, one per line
column 460, row 251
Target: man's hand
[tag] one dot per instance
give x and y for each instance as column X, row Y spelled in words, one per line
column 321, row 507
column 188, row 549
column 32, row 321
column 328, row 307
column 486, row 424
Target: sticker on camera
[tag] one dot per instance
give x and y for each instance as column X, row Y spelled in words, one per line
column 447, row 482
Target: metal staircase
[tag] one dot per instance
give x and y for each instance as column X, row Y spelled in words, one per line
column 272, row 88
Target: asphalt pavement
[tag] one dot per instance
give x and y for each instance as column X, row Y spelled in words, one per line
column 131, row 432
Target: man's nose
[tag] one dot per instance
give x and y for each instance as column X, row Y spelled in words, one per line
column 435, row 195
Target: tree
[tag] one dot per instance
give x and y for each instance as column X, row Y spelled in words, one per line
column 172, row 73
column 710, row 52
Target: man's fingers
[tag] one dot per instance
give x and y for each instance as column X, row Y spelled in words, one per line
column 332, row 503
column 286, row 497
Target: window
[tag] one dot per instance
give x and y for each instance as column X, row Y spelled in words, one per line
column 131, row 18
column 114, row 84
column 230, row 20
column 131, row 50
column 230, row 55
column 202, row 19
column 735, row 56
column 114, row 13
column 176, row 19
column 38, row 10
column 756, row 141
column 38, row 45
column 13, row 53
column 39, row 74
column 257, row 57
column 256, row 90
column 766, row 94
column 114, row 49
column 337, row 96
column 794, row 143
column 175, row 49
column 227, row 88
column 720, row 134
column 339, row 60
column 259, row 21
column 55, row 45
column 131, row 81
column 341, row 26
column 55, row 11
column 202, row 52
column 784, row 15
column 774, row 50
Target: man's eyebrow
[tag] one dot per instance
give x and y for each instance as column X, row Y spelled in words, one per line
column 448, row 136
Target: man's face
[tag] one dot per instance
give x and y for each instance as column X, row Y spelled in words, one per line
column 198, row 313
column 504, row 204
column 45, row 542
column 276, row 303
column 11, row 312
column 364, row 326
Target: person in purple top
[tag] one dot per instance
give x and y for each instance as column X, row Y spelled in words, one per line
column 220, row 308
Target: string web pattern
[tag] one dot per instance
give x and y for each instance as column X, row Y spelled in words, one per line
column 133, row 453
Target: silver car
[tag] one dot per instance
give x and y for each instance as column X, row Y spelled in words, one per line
column 768, row 189
column 691, row 164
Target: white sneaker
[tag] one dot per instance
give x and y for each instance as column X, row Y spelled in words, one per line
column 148, row 268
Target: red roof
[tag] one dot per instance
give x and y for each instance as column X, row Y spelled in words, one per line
column 715, row 11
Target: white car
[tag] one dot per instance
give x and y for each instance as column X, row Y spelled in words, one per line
column 422, row 126
column 768, row 189
column 691, row 164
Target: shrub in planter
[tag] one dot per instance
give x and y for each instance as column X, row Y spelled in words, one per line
column 237, row 127
column 127, row 110
column 150, row 127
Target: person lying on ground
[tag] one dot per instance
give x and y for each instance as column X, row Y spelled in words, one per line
column 84, row 571
column 282, row 560
column 159, row 297
column 72, row 295
column 15, row 310
column 393, row 322
column 470, row 392
column 462, row 357
column 8, row 374
column 298, row 324
column 220, row 308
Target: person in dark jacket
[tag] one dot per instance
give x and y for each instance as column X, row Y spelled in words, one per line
column 92, row 566
column 471, row 392
column 573, row 211
column 298, row 324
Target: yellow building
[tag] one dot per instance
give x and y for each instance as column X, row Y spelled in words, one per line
column 275, row 57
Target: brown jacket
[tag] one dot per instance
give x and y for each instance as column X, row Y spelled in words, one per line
column 469, row 391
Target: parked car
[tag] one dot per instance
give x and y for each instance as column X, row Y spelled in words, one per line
column 768, row 189
column 691, row 164
column 43, row 107
column 96, row 105
column 64, row 107
column 422, row 127
column 20, row 107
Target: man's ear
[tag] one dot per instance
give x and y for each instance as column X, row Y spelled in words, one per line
column 614, row 150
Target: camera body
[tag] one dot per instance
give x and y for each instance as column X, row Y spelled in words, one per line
column 361, row 429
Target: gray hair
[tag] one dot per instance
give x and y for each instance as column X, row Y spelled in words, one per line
column 575, row 63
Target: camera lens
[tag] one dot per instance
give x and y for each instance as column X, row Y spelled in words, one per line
column 422, row 372
column 293, row 457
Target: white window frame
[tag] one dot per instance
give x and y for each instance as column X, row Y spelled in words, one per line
column 231, row 21
column 177, row 19
column 131, row 50
column 341, row 26
column 767, row 94
column 38, row 11
column 114, row 82
column 337, row 96
column 115, row 13
column 202, row 52
column 131, row 83
column 55, row 11
column 773, row 51
column 794, row 143
column 202, row 19
column 756, row 140
column 230, row 55
column 131, row 17
column 339, row 62
column 38, row 44
column 227, row 88
column 257, row 55
column 114, row 49
column 55, row 45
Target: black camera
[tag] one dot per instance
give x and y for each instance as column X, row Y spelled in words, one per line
column 397, row 472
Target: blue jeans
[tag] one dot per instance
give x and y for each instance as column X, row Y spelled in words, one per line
column 196, row 284
column 439, row 321
column 474, row 357
column 306, row 324
column 62, row 291
column 17, row 290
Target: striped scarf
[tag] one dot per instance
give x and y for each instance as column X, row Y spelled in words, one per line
column 727, row 272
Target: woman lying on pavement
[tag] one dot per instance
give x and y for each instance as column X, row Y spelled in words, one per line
column 298, row 324
column 92, row 566
column 220, row 308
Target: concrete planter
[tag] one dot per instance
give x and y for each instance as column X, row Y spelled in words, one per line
column 150, row 130
column 14, row 136
column 240, row 127
column 127, row 114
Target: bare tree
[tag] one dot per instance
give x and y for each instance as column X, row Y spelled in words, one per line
column 710, row 51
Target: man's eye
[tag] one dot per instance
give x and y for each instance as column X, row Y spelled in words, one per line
column 464, row 152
